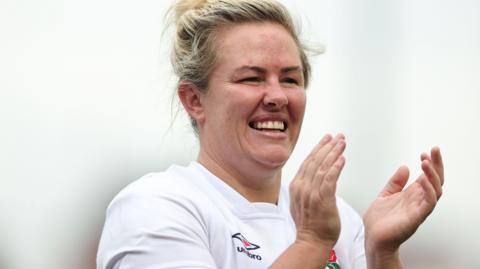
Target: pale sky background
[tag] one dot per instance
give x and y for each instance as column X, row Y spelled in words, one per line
column 85, row 94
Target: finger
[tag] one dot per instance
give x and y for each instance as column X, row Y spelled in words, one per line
column 424, row 156
column 430, row 193
column 301, row 172
column 332, row 157
column 325, row 139
column 329, row 185
column 313, row 164
column 327, row 164
column 397, row 182
column 433, row 177
column 436, row 156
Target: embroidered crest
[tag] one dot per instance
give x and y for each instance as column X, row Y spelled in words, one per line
column 332, row 261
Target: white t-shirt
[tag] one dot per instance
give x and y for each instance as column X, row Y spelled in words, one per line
column 186, row 217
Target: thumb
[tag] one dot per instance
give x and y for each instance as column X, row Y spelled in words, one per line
column 397, row 182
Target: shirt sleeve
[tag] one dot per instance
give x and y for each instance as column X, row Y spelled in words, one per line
column 153, row 233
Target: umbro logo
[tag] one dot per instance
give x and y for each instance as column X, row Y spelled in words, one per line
column 246, row 246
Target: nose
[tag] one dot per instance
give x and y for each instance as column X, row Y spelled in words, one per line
column 275, row 97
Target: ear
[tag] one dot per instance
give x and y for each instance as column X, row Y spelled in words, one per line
column 192, row 100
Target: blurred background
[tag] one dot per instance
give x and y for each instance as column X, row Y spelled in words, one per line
column 86, row 107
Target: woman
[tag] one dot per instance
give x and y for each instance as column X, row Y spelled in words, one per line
column 242, row 78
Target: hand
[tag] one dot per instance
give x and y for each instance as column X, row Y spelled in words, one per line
column 312, row 193
column 397, row 213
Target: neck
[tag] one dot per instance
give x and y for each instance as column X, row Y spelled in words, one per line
column 253, row 183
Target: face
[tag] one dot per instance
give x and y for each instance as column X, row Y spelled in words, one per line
column 254, row 106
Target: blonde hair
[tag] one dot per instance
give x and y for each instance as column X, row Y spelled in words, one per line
column 193, row 56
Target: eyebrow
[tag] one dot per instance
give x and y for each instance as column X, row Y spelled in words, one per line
column 263, row 70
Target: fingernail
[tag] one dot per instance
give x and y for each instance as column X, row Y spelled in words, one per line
column 326, row 138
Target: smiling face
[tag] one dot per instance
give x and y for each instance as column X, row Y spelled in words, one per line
column 255, row 102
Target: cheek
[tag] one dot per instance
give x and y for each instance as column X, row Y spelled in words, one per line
column 227, row 111
column 242, row 101
column 297, row 102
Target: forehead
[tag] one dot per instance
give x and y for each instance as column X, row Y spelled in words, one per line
column 259, row 44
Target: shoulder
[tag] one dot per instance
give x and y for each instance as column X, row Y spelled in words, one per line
column 174, row 180
column 157, row 200
column 156, row 212
column 176, row 183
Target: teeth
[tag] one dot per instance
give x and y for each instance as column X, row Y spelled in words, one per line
column 272, row 125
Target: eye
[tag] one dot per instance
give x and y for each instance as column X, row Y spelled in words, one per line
column 250, row 80
column 254, row 79
column 291, row 81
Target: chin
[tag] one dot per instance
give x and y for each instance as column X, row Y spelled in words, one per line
column 274, row 160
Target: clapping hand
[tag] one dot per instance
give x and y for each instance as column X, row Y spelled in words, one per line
column 312, row 193
column 398, row 211
column 313, row 206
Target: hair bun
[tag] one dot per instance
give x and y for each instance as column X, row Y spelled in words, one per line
column 183, row 6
